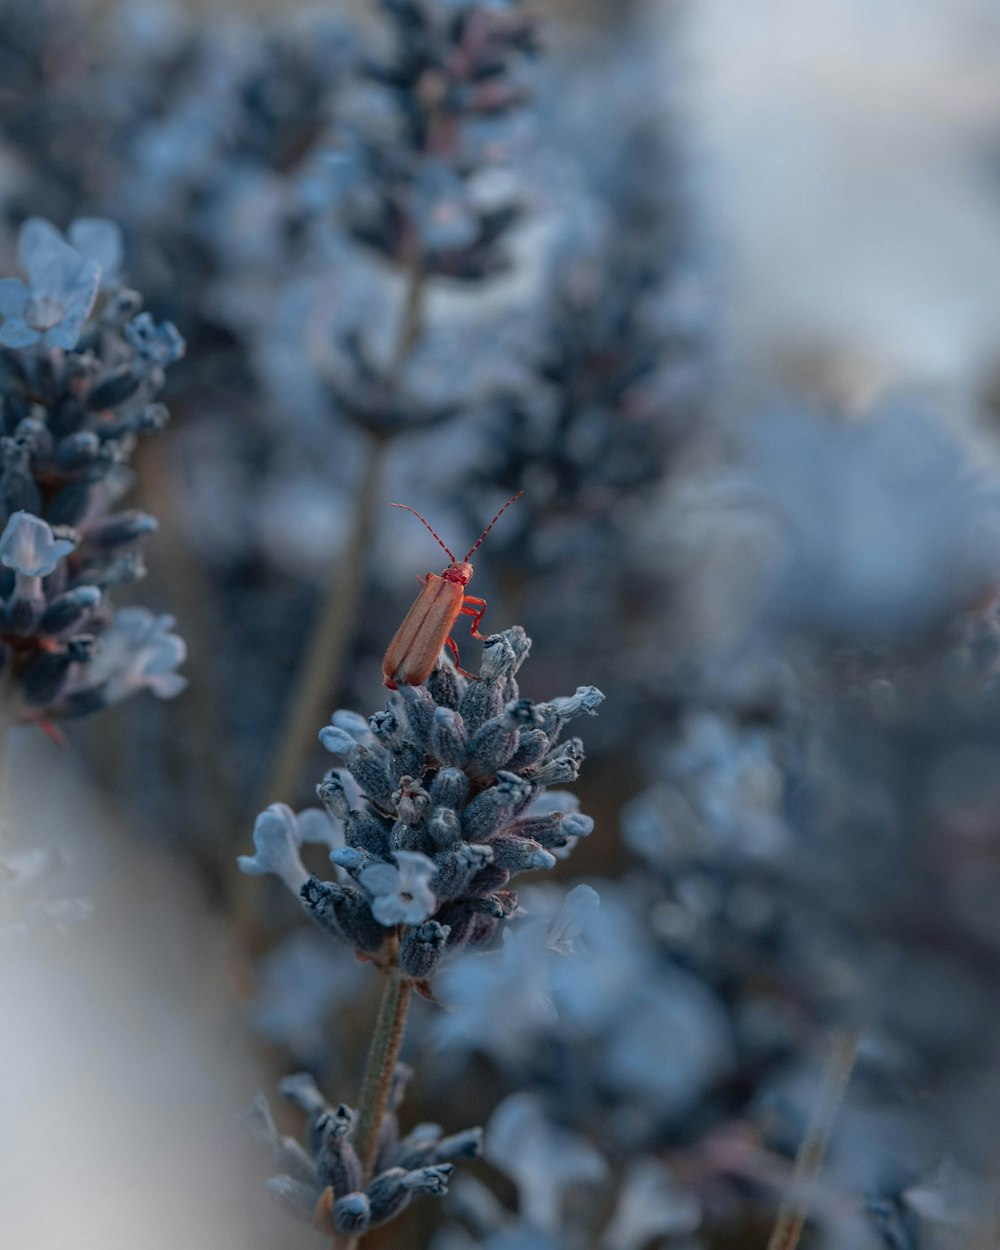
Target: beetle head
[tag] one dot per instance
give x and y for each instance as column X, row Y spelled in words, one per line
column 460, row 572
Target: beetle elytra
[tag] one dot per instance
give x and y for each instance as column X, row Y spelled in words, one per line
column 427, row 626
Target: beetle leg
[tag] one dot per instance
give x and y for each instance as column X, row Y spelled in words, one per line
column 452, row 646
column 476, row 614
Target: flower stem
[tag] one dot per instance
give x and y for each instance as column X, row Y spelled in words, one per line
column 380, row 1067
column 809, row 1160
column 319, row 675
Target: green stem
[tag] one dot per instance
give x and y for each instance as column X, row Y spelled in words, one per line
column 383, row 1054
column 809, row 1160
column 319, row 676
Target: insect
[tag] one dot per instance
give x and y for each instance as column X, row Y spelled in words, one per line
column 427, row 626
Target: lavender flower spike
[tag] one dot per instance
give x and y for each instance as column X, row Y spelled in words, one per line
column 401, row 894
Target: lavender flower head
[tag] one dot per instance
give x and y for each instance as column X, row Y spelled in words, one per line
column 324, row 1185
column 453, row 777
column 80, row 369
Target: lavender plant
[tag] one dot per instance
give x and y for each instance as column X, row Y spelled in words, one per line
column 444, row 797
column 81, row 370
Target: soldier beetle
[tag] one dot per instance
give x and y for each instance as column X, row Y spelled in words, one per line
column 427, row 626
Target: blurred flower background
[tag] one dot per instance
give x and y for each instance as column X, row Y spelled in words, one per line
column 719, row 289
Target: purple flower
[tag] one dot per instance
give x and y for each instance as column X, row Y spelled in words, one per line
column 28, row 546
column 53, row 304
column 542, row 1159
column 401, row 894
column 276, row 843
column 138, row 652
column 99, row 240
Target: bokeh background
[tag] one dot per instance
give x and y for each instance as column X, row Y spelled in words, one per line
column 735, row 332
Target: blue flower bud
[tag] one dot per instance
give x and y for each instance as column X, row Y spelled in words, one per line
column 532, row 744
column 449, row 741
column 482, row 701
column 370, row 774
column 392, row 1191
column 333, row 795
column 68, row 609
column 419, row 711
column 121, row 528
column 351, row 1214
column 443, row 686
column 443, row 827
column 489, row 810
column 456, row 869
column 450, row 788
column 421, row 949
column 519, row 854
column 337, row 1162
column 411, row 801
column 336, row 740
column 368, row 832
column 342, row 912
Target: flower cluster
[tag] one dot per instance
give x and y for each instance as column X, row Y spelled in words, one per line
column 441, row 802
column 324, row 1184
column 80, row 369
column 452, row 87
column 453, row 777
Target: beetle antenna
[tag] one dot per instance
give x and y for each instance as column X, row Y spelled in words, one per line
column 407, row 508
column 493, row 522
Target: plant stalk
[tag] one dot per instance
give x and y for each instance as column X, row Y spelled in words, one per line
column 812, row 1151
column 383, row 1054
column 319, row 676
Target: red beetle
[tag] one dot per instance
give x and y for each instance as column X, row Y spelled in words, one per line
column 427, row 626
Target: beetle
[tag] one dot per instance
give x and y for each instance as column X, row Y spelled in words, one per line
column 427, row 626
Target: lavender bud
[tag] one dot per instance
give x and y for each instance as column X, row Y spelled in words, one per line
column 443, row 828
column 337, row 1162
column 333, row 795
column 495, row 743
column 68, row 609
column 391, row 1192
column 386, row 728
column 443, row 686
column 411, row 801
column 370, row 774
column 449, row 741
column 351, row 1214
column 421, row 949
column 519, row 854
column 77, row 450
column 450, row 788
column 532, row 744
column 465, row 1145
column 482, row 701
column 121, row 528
column 457, row 868
column 368, row 832
column 488, row 810
column 336, row 740
column 419, row 713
